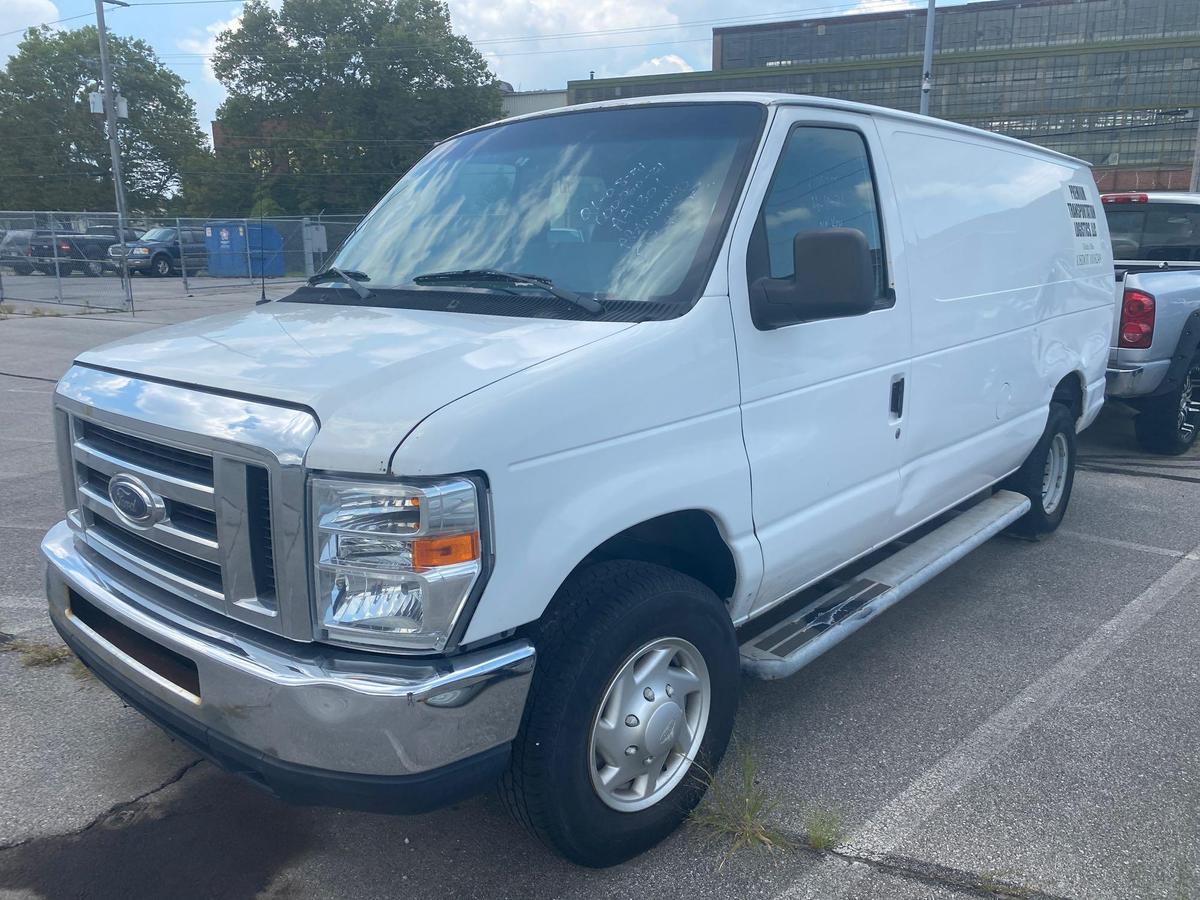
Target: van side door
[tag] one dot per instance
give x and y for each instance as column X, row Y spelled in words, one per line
column 1001, row 309
column 823, row 400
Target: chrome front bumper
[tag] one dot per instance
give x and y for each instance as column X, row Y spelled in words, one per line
column 309, row 710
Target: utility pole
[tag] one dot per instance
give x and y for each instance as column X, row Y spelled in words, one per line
column 926, row 64
column 114, row 143
column 1195, row 184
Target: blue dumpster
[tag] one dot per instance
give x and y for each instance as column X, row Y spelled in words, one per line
column 240, row 248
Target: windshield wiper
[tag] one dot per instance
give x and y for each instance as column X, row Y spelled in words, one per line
column 351, row 278
column 516, row 279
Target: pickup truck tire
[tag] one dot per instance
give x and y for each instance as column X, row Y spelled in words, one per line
column 612, row 628
column 1047, row 475
column 92, row 268
column 161, row 266
column 23, row 269
column 1168, row 424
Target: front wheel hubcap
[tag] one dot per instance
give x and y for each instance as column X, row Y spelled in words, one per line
column 650, row 724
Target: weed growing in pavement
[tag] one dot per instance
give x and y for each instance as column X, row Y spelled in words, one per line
column 1001, row 883
column 823, row 828
column 737, row 808
column 38, row 655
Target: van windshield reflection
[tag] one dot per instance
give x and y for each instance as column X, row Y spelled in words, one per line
column 610, row 204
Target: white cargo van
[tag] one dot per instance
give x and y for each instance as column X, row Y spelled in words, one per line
column 508, row 491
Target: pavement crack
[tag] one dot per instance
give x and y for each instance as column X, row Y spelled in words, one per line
column 111, row 811
column 29, row 377
column 936, row 875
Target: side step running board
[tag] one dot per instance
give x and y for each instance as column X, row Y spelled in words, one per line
column 805, row 635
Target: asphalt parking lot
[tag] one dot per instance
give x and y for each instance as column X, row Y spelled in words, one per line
column 1024, row 725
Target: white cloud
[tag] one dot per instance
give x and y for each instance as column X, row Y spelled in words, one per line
column 538, row 61
column 670, row 62
column 874, row 6
column 23, row 14
column 204, row 43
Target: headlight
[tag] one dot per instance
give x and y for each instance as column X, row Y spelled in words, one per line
column 140, row 251
column 395, row 563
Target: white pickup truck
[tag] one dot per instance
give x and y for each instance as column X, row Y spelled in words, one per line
column 597, row 409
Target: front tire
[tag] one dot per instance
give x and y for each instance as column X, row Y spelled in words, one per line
column 1047, row 475
column 161, row 266
column 1168, row 425
column 636, row 682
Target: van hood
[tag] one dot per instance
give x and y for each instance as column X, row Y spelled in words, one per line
column 370, row 374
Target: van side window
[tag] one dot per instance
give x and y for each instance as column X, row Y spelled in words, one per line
column 823, row 180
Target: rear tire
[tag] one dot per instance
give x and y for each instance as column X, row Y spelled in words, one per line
column 1047, row 475
column 617, row 635
column 1168, row 425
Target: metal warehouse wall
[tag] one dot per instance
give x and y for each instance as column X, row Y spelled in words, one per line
column 1115, row 82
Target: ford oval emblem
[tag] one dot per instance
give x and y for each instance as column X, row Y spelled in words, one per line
column 134, row 502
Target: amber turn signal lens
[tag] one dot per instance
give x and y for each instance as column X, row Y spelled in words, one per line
column 431, row 552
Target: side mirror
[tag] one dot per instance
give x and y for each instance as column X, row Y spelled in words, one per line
column 834, row 277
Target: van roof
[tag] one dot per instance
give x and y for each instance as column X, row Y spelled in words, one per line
column 774, row 99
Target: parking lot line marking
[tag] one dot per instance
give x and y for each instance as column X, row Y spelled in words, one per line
column 884, row 832
column 1125, row 545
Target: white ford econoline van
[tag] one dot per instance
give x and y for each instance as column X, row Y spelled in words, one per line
column 595, row 410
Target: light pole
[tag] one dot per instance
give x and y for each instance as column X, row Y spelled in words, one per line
column 1194, row 185
column 114, row 142
column 926, row 64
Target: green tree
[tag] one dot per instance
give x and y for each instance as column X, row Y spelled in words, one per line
column 53, row 152
column 330, row 101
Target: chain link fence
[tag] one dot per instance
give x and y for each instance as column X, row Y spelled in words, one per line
column 83, row 259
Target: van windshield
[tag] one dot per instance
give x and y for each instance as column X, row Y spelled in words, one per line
column 623, row 204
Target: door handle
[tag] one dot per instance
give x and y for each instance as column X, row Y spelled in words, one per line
column 897, row 405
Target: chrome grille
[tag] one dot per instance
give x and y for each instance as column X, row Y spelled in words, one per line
column 203, row 574
column 174, row 461
column 181, row 552
column 224, row 469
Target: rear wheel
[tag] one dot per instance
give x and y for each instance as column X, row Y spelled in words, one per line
column 93, row 268
column 1047, row 475
column 636, row 682
column 1169, row 424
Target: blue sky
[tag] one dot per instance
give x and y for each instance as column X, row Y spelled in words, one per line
column 523, row 39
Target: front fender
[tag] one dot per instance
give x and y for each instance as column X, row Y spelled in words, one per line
column 585, row 445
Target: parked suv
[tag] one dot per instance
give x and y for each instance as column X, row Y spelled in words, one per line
column 164, row 251
column 507, row 493
column 1154, row 361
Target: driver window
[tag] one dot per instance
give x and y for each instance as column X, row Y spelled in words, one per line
column 823, row 180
